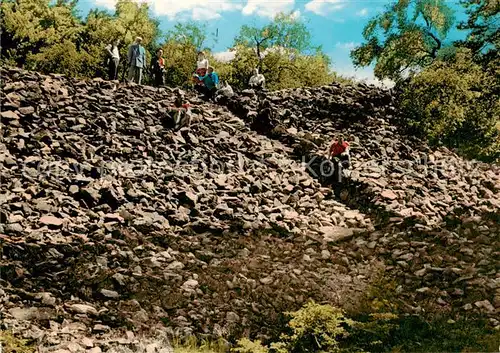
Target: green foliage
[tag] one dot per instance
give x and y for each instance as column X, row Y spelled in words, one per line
column 180, row 50
column 454, row 102
column 313, row 328
column 483, row 26
column 180, row 63
column 189, row 34
column 282, row 68
column 31, row 26
column 247, row 346
column 449, row 94
column 285, row 31
column 11, row 344
column 372, row 333
column 47, row 36
column 192, row 344
column 316, row 326
column 406, row 37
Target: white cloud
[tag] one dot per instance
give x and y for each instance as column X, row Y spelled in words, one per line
column 199, row 9
column 362, row 13
column 228, row 55
column 204, row 14
column 225, row 56
column 196, row 9
column 109, row 4
column 346, row 45
column 267, row 8
column 323, row 7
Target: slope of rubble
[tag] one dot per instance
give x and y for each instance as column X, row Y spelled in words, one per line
column 113, row 225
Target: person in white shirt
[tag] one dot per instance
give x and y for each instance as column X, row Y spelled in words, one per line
column 257, row 80
column 225, row 91
column 201, row 64
column 201, row 70
column 113, row 59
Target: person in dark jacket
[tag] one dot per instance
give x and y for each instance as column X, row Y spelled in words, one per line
column 158, row 68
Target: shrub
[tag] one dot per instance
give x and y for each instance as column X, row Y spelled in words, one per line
column 11, row 344
column 452, row 102
column 247, row 346
column 313, row 328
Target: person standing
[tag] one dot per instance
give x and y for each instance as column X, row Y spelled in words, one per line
column 158, row 68
column 136, row 61
column 201, row 64
column 113, row 59
column 201, row 70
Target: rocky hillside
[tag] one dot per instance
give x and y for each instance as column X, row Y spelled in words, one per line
column 113, row 225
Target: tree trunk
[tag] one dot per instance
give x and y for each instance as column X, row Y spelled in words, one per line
column 259, row 65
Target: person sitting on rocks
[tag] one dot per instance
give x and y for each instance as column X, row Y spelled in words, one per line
column 340, row 150
column 257, row 81
column 226, row 91
column 180, row 114
column 210, row 83
column 265, row 120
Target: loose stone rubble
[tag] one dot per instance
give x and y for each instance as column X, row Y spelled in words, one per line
column 113, row 225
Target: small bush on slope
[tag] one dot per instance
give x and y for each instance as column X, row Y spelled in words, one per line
column 11, row 344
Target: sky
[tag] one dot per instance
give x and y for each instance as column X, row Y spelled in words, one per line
column 336, row 25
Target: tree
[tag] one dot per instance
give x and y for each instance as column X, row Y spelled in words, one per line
column 483, row 26
column 455, row 102
column 180, row 48
column 406, row 37
column 280, row 66
column 132, row 19
column 189, row 34
column 286, row 30
column 275, row 49
column 32, row 28
column 48, row 36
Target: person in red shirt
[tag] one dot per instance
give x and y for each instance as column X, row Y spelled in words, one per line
column 340, row 150
column 180, row 114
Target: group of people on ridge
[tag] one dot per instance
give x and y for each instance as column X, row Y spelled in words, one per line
column 136, row 61
column 205, row 79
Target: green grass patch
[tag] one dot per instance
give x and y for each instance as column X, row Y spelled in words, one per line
column 11, row 344
column 193, row 344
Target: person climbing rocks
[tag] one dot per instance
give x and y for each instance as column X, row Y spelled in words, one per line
column 265, row 120
column 180, row 114
column 257, row 81
column 158, row 68
column 136, row 59
column 339, row 152
column 113, row 59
